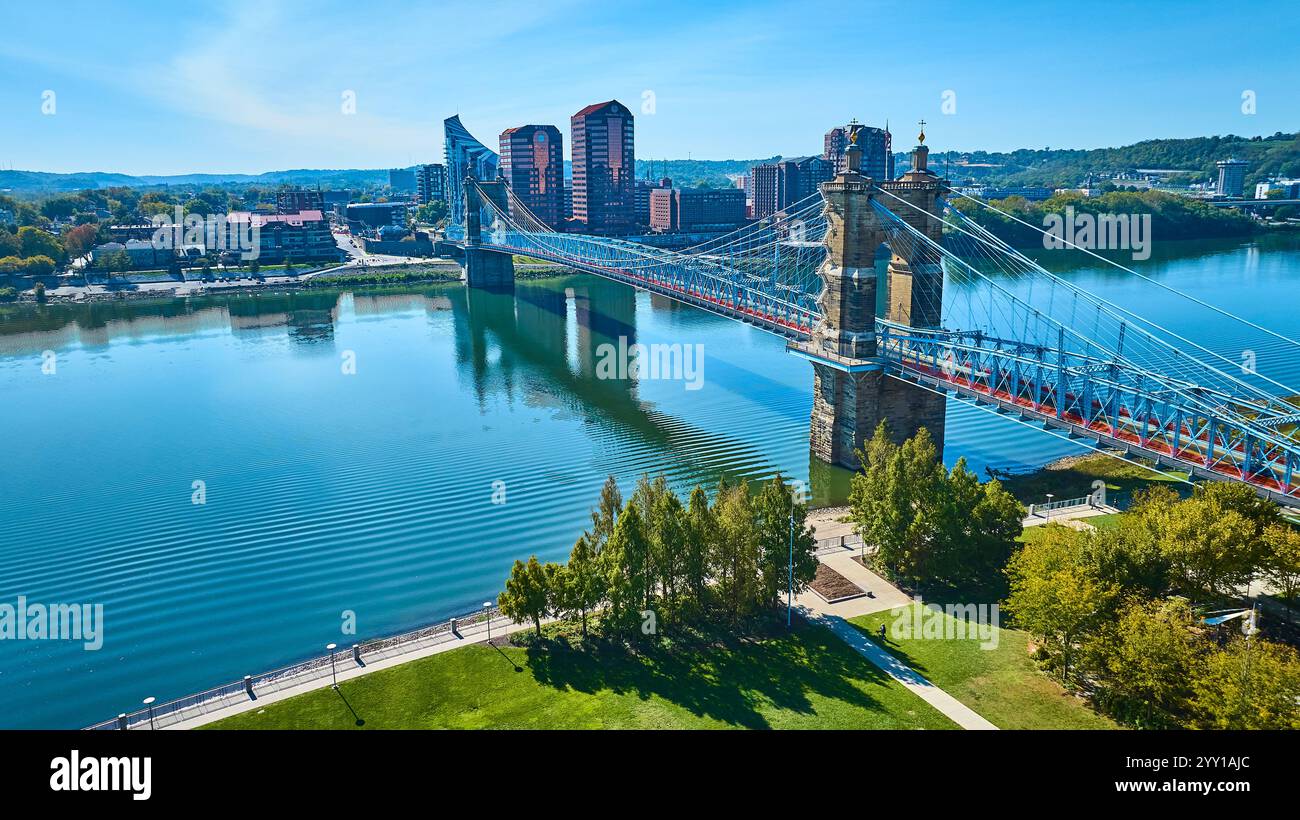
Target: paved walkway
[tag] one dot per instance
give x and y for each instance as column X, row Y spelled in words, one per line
column 1068, row 516
column 884, row 596
column 347, row 670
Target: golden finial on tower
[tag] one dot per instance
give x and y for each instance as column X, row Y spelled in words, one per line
column 921, row 137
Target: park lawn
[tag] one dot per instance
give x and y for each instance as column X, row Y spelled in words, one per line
column 808, row 679
column 1073, row 477
column 1001, row 684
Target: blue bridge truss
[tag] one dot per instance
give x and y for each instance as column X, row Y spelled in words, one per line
column 1066, row 359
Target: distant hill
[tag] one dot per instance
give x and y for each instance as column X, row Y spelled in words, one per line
column 42, row 182
column 1195, row 158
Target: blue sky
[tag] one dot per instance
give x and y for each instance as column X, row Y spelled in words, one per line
column 235, row 86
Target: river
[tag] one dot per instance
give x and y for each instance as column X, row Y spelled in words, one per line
column 389, row 453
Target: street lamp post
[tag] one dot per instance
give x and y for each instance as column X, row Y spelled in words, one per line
column 333, row 676
column 1050, row 496
column 149, row 702
column 487, row 607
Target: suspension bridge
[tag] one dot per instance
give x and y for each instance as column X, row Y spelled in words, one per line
column 854, row 278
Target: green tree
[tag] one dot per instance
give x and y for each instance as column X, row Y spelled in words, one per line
column 606, row 513
column 527, row 594
column 895, row 501
column 1213, row 541
column 1250, row 684
column 625, row 560
column 38, row 266
column 783, row 537
column 735, row 562
column 1282, row 562
column 701, row 536
column 35, row 242
column 1147, row 661
column 1055, row 596
column 585, row 585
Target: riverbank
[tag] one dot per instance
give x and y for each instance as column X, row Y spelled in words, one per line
column 1073, row 477
column 343, row 276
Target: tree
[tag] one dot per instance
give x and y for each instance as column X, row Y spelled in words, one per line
column 1250, row 684
column 926, row 522
column 624, row 561
column 1055, row 596
column 701, row 535
column 605, row 515
column 736, row 558
column 79, row 240
column 668, row 534
column 894, row 501
column 35, row 242
column 38, row 266
column 1213, row 541
column 783, row 537
column 1147, row 661
column 585, row 585
column 527, row 595
column 1282, row 562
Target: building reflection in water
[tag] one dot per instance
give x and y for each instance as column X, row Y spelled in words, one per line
column 538, row 343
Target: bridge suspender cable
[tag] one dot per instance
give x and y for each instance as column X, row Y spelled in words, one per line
column 1143, row 277
column 1003, row 247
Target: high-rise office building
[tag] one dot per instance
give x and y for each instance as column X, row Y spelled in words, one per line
column 1232, row 177
column 777, row 186
column 532, row 164
column 604, row 199
column 876, row 145
column 465, row 156
column 430, row 183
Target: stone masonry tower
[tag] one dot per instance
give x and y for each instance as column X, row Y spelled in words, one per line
column 852, row 394
column 484, row 268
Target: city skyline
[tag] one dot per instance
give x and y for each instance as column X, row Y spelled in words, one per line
column 223, row 91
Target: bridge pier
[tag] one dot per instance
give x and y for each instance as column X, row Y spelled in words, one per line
column 852, row 392
column 485, row 268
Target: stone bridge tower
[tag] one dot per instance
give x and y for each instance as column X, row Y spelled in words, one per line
column 484, row 268
column 852, row 394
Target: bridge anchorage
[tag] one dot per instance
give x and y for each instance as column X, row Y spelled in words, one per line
column 854, row 278
column 866, row 282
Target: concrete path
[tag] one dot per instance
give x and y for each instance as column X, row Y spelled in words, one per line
column 1065, row 516
column 885, row 596
column 347, row 670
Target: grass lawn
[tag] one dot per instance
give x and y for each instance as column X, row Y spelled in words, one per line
column 1073, row 477
column 1001, row 684
column 809, row 679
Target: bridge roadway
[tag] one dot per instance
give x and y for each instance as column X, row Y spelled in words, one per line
column 717, row 302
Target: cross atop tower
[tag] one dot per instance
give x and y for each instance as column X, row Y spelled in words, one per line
column 921, row 136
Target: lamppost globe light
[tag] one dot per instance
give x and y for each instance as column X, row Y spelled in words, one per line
column 331, row 646
column 149, row 700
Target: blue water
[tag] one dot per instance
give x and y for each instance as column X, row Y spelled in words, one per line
column 374, row 493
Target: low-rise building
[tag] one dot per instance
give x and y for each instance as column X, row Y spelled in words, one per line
column 684, row 210
column 302, row 236
column 364, row 216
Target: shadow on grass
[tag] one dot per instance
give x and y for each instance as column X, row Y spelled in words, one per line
column 717, row 674
column 355, row 716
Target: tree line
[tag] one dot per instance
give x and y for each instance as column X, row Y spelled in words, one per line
column 1172, row 216
column 683, row 560
column 1119, row 613
column 929, row 524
